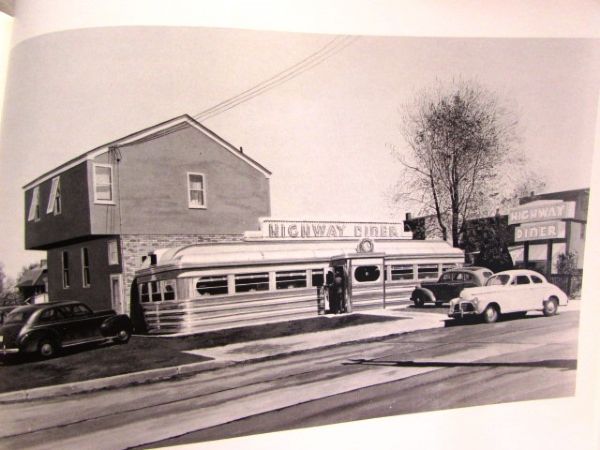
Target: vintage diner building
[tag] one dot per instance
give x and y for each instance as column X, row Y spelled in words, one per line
column 171, row 224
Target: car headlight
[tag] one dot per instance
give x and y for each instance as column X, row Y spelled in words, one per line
column 475, row 301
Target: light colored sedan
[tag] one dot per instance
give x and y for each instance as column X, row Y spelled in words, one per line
column 509, row 292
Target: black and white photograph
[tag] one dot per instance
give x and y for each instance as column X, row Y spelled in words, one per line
column 268, row 224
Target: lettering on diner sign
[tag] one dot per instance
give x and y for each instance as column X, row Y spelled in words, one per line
column 332, row 230
column 540, row 231
column 536, row 212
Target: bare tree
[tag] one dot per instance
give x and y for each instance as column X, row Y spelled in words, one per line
column 460, row 143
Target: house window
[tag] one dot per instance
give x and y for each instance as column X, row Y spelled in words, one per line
column 103, row 183
column 54, row 201
column 196, row 190
column 113, row 253
column 85, row 267
column 34, row 207
column 65, row 270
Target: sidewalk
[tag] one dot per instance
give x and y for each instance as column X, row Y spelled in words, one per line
column 408, row 320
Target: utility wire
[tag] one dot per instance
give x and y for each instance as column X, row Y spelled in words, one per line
column 331, row 48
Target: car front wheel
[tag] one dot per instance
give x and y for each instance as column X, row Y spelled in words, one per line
column 47, row 348
column 123, row 336
column 550, row 307
column 491, row 314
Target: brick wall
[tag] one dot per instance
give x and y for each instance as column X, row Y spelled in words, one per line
column 135, row 246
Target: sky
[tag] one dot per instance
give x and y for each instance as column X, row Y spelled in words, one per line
column 325, row 134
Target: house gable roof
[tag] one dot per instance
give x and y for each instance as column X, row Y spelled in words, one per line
column 146, row 134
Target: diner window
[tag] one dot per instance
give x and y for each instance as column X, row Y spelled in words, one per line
column 290, row 279
column 402, row 272
column 103, row 183
column 155, row 291
column 168, row 290
column 318, row 277
column 54, row 201
column 426, row 271
column 196, row 190
column 364, row 274
column 113, row 252
column 34, row 206
column 85, row 267
column 250, row 282
column 144, row 294
column 448, row 267
column 65, row 270
column 215, row 285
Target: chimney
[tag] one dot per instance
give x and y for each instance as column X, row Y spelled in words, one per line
column 241, row 149
column 408, row 216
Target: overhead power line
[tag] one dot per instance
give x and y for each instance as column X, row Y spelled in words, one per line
column 327, row 51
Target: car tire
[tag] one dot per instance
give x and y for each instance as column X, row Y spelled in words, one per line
column 550, row 307
column 47, row 348
column 419, row 301
column 491, row 314
column 123, row 336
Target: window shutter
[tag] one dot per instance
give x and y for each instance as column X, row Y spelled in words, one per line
column 53, row 191
column 35, row 200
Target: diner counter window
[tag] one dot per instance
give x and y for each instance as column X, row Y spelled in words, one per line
column 402, row 272
column 215, row 285
column 427, row 271
column 250, row 282
column 290, row 279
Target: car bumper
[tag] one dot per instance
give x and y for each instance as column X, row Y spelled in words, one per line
column 8, row 351
column 463, row 309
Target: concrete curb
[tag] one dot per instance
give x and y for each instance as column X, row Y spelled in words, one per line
column 110, row 382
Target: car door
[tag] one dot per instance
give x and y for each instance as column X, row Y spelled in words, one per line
column 443, row 288
column 521, row 294
column 458, row 284
column 87, row 324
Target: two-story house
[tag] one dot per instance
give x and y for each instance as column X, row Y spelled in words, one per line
column 173, row 184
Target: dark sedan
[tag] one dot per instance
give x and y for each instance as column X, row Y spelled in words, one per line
column 46, row 328
column 449, row 285
column 7, row 306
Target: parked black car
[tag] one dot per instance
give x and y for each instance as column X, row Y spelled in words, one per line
column 46, row 328
column 449, row 285
column 7, row 306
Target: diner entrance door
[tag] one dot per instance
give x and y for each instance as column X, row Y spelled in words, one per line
column 358, row 282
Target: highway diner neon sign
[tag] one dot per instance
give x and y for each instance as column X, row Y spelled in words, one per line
column 318, row 229
column 541, row 220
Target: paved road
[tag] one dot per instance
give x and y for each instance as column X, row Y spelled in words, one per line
column 523, row 359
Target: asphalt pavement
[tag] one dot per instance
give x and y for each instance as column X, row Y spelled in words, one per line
column 409, row 319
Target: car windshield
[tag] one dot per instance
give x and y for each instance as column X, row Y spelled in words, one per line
column 18, row 316
column 498, row 280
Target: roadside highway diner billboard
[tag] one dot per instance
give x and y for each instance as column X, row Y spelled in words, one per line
column 540, row 230
column 318, row 229
column 541, row 220
column 542, row 211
